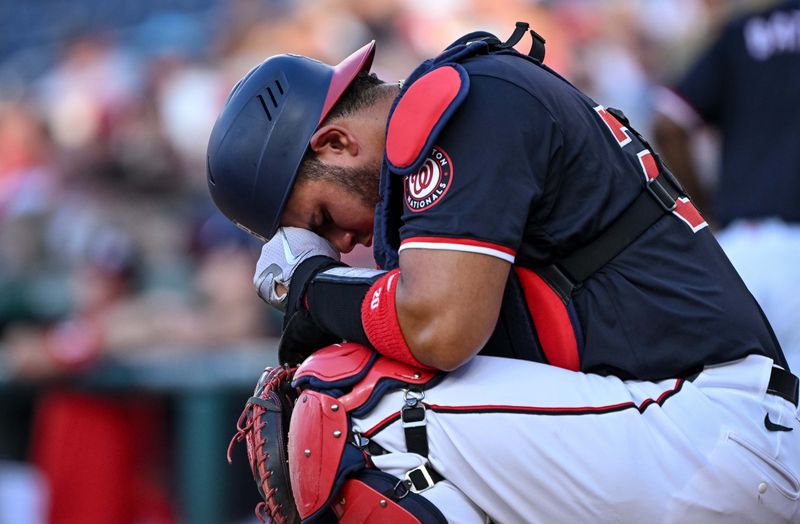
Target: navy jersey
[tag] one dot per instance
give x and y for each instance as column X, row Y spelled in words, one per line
column 528, row 169
column 747, row 84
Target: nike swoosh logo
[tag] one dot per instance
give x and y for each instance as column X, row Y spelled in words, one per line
column 287, row 251
column 275, row 271
column 774, row 427
column 272, row 269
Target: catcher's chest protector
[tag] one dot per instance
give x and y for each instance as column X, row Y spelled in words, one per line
column 329, row 472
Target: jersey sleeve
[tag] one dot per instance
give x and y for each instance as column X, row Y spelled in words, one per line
column 484, row 173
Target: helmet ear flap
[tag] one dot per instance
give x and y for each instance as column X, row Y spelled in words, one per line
column 263, row 131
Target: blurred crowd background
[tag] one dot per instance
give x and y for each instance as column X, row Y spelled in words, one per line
column 111, row 251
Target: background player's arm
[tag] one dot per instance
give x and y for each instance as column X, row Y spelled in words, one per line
column 448, row 303
column 673, row 142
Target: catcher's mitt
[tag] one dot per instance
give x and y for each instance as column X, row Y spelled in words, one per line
column 264, row 426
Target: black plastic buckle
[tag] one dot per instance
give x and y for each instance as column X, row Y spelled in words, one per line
column 661, row 194
column 412, row 414
column 413, row 417
column 419, row 479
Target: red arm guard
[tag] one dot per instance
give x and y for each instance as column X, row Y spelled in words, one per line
column 379, row 318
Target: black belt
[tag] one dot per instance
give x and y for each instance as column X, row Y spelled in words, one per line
column 783, row 384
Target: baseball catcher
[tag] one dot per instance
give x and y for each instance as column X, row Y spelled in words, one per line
column 553, row 334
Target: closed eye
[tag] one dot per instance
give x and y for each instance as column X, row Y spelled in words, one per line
column 320, row 221
column 326, row 217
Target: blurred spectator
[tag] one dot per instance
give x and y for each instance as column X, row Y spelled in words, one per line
column 104, row 472
column 745, row 86
column 27, row 176
column 122, row 478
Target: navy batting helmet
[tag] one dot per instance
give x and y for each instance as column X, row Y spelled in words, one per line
column 261, row 135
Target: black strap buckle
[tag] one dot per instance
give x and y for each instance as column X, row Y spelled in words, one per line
column 413, row 418
column 421, row 478
column 661, row 194
column 413, row 411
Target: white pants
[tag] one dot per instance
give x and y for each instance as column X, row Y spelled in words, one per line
column 522, row 442
column 766, row 254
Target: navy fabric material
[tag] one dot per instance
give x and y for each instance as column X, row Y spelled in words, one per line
column 537, row 171
column 747, row 84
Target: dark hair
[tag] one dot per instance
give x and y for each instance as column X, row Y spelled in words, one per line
column 361, row 93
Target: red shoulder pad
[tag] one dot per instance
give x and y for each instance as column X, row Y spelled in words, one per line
column 421, row 113
column 336, row 362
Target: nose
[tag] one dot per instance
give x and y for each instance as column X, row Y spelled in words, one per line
column 342, row 240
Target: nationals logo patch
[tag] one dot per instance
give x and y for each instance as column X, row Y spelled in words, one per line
column 426, row 187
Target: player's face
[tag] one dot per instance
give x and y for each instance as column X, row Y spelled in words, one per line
column 340, row 215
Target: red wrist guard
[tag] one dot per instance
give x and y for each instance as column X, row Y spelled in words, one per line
column 379, row 318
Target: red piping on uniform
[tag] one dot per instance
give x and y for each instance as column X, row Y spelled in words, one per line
column 382, row 424
column 534, row 410
column 461, row 241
